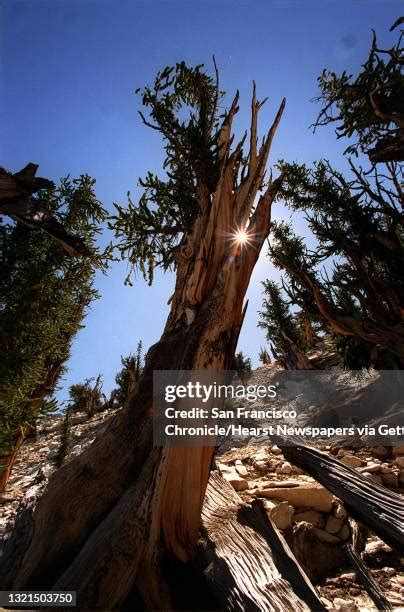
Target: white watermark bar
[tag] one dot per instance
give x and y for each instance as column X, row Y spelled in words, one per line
column 37, row 599
column 206, row 407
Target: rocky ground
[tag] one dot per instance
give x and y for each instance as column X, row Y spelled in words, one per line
column 313, row 521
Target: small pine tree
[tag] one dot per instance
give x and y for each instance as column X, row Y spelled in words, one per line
column 128, row 376
column 87, row 397
column 282, row 328
column 242, row 364
column 264, row 356
column 65, row 436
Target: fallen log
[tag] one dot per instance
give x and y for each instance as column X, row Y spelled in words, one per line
column 367, row 501
column 250, row 566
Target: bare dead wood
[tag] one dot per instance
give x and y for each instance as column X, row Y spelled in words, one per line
column 367, row 501
column 200, row 334
column 367, row 579
column 250, row 565
column 390, row 149
column 16, row 202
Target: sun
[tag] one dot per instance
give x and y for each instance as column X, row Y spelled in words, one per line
column 241, row 237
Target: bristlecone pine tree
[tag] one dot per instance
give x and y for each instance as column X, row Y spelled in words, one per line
column 109, row 518
column 87, row 397
column 127, row 378
column 352, row 283
column 44, row 294
column 65, row 435
column 370, row 106
column 282, row 328
column 264, row 356
column 359, row 295
column 243, row 367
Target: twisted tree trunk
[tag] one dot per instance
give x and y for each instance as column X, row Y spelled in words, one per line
column 7, row 462
column 123, row 501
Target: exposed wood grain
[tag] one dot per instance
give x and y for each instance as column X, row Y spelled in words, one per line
column 251, row 566
column 366, row 579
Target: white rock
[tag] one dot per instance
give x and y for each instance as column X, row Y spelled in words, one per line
column 345, row 605
column 286, row 468
column 370, row 468
column 352, row 461
column 339, row 511
column 280, row 514
column 305, row 495
column 376, row 547
column 237, row 482
column 241, row 469
column 348, row 576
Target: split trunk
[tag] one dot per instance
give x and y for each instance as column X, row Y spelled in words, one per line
column 109, row 517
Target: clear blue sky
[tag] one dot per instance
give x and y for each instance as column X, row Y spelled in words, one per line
column 69, row 71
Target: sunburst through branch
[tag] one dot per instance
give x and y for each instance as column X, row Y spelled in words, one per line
column 242, row 237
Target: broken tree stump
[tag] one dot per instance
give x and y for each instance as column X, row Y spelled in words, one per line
column 250, row 566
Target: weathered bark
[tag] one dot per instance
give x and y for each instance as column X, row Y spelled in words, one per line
column 388, row 150
column 31, row 431
column 308, row 330
column 367, row 579
column 9, row 461
column 75, row 516
column 370, row 503
column 16, row 202
column 250, row 566
column 293, row 357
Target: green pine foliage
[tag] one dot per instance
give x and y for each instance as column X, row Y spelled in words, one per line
column 243, row 367
column 279, row 323
column 182, row 106
column 128, row 376
column 87, row 397
column 350, row 284
column 264, row 356
column 65, row 437
column 354, row 275
column 44, row 295
column 368, row 106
